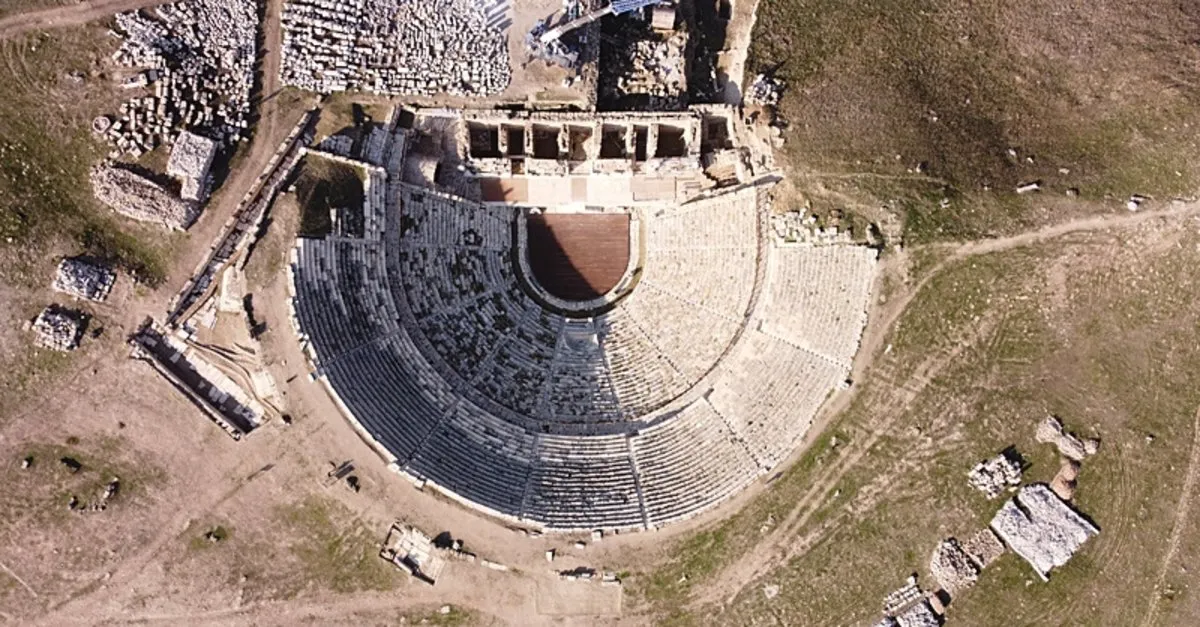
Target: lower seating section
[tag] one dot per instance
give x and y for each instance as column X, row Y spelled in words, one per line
column 520, row 369
column 478, row 457
column 340, row 287
column 714, row 279
column 641, row 375
column 578, row 481
column 465, row 337
column 820, row 297
column 770, row 391
column 690, row 462
column 392, row 393
column 580, row 386
column 693, row 348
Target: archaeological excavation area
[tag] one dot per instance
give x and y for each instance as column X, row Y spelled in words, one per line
column 527, row 289
column 522, row 312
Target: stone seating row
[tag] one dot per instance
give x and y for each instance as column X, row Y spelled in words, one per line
column 820, row 298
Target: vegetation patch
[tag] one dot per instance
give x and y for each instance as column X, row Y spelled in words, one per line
column 325, row 188
column 55, row 85
column 335, row 552
column 988, row 348
column 46, row 477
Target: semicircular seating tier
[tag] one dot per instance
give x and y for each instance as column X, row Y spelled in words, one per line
column 699, row 381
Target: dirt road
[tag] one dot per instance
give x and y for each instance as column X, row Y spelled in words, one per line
column 72, row 15
column 276, row 118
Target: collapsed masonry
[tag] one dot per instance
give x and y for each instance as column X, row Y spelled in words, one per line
column 223, row 400
column 656, row 71
column 412, row 551
column 1041, row 528
column 98, row 504
column 801, row 228
column 84, row 279
column 58, row 328
column 135, row 196
column 1069, row 445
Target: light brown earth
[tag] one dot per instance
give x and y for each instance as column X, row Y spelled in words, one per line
column 970, row 344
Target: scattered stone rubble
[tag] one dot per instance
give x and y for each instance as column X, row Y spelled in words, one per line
column 765, row 90
column 84, row 279
column 584, row 573
column 59, row 329
column 993, row 476
column 199, row 57
column 1069, row 445
column 799, row 227
column 657, row 69
column 137, row 197
column 191, row 157
column 952, row 567
column 1041, row 528
column 562, row 51
column 414, row 47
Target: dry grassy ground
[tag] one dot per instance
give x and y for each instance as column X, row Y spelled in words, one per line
column 1093, row 327
column 907, row 103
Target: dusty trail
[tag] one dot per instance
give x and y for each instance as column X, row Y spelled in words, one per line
column 778, row 546
column 1182, row 517
column 72, row 15
column 271, row 129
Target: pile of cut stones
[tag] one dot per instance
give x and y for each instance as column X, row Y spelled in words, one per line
column 198, row 56
column 84, row 279
column 59, row 329
column 657, row 70
column 993, row 476
column 765, row 90
column 412, row 47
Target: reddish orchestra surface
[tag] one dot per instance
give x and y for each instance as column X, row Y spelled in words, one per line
column 578, row 256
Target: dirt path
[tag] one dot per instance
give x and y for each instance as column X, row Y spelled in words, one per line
column 73, row 15
column 780, row 545
column 276, row 118
column 1182, row 517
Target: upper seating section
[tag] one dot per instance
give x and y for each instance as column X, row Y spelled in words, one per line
column 340, row 291
column 822, row 295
